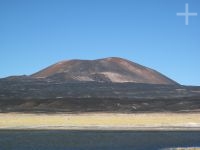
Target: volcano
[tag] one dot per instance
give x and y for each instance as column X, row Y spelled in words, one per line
column 113, row 69
column 102, row 85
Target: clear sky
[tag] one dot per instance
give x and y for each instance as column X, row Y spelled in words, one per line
column 37, row 33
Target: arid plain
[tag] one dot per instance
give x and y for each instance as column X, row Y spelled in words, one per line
column 102, row 121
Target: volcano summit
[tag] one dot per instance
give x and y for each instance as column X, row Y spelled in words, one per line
column 116, row 70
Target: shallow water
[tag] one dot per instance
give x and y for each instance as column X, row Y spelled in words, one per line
column 96, row 140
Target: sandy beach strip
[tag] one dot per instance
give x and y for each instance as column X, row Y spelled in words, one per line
column 101, row 121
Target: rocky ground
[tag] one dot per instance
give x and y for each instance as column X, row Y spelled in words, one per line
column 25, row 94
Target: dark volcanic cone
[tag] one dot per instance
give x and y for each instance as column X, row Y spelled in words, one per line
column 103, row 70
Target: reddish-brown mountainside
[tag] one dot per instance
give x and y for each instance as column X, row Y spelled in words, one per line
column 103, row 70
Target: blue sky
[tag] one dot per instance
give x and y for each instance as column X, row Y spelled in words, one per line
column 37, row 33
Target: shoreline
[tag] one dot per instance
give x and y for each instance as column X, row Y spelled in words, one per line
column 101, row 121
column 92, row 128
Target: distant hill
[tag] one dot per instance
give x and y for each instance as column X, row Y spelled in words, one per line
column 116, row 70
